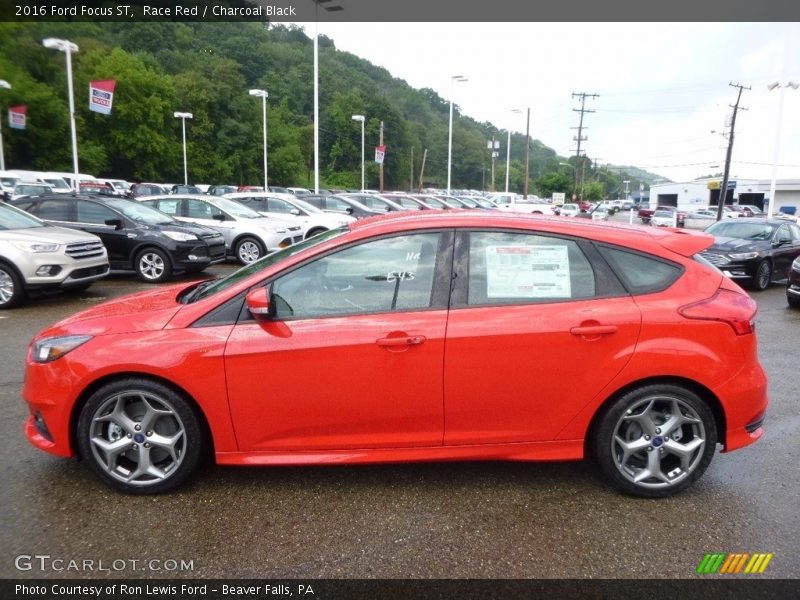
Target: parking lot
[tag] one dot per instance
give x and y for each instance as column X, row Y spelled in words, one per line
column 451, row 520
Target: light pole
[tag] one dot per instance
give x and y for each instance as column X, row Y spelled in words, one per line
column 508, row 150
column 459, row 79
column 68, row 48
column 263, row 95
column 183, row 116
column 361, row 119
column 774, row 179
column 325, row 4
column 6, row 86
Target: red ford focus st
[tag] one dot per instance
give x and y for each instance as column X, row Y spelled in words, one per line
column 416, row 337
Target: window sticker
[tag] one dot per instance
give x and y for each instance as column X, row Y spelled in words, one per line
column 527, row 272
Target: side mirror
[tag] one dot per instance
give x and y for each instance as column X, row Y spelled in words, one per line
column 115, row 223
column 349, row 210
column 258, row 304
column 295, row 212
column 218, row 217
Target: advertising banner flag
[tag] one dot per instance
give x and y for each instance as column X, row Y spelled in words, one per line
column 380, row 152
column 17, row 116
column 101, row 95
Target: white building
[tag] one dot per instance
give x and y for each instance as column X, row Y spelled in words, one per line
column 700, row 193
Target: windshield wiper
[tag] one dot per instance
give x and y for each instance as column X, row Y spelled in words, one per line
column 192, row 295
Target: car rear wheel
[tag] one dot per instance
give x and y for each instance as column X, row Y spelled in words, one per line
column 153, row 265
column 763, row 276
column 249, row 250
column 140, row 436
column 11, row 291
column 655, row 440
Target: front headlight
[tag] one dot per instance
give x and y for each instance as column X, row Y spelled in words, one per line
column 796, row 264
column 743, row 255
column 50, row 349
column 36, row 247
column 179, row 236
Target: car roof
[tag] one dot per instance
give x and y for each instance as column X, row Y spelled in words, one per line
column 682, row 242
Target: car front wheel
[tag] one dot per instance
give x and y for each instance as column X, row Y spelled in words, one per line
column 153, row 265
column 763, row 276
column 655, row 441
column 11, row 291
column 140, row 436
column 248, row 250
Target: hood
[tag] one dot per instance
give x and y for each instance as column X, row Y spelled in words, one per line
column 727, row 244
column 47, row 235
column 186, row 227
column 144, row 311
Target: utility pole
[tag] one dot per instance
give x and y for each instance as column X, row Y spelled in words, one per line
column 527, row 155
column 723, row 190
column 422, row 169
column 493, row 157
column 380, row 169
column 580, row 137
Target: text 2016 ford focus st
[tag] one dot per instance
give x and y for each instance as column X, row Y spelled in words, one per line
column 360, row 346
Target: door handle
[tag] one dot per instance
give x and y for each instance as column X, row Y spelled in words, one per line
column 408, row 340
column 593, row 330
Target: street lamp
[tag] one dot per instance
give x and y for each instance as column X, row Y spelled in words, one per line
column 263, row 95
column 183, row 116
column 456, row 79
column 325, row 4
column 68, row 48
column 508, row 150
column 6, row 86
column 773, row 181
column 361, row 119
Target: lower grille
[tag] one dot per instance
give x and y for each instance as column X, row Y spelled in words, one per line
column 88, row 272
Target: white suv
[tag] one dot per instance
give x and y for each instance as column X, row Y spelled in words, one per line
column 37, row 256
column 283, row 206
column 248, row 235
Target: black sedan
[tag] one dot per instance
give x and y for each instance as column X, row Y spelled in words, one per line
column 137, row 237
column 754, row 251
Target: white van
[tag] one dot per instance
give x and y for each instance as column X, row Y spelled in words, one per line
column 54, row 180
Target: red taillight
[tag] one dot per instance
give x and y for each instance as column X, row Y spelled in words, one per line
column 733, row 307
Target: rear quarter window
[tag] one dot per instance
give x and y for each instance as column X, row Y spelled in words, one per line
column 641, row 273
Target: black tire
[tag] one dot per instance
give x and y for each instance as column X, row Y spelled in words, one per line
column 128, row 399
column 793, row 301
column 762, row 277
column 248, row 250
column 315, row 231
column 642, row 419
column 12, row 292
column 153, row 265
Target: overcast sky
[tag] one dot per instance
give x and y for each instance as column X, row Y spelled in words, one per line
column 663, row 87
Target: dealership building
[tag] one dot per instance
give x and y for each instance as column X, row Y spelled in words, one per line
column 700, row 193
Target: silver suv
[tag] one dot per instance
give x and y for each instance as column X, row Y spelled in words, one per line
column 248, row 235
column 37, row 256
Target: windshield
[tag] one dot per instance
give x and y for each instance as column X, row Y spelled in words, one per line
column 305, row 206
column 235, row 208
column 13, row 218
column 58, row 183
column 210, row 288
column 742, row 231
column 31, row 189
column 141, row 213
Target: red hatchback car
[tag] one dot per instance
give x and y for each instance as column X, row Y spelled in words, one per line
column 416, row 336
